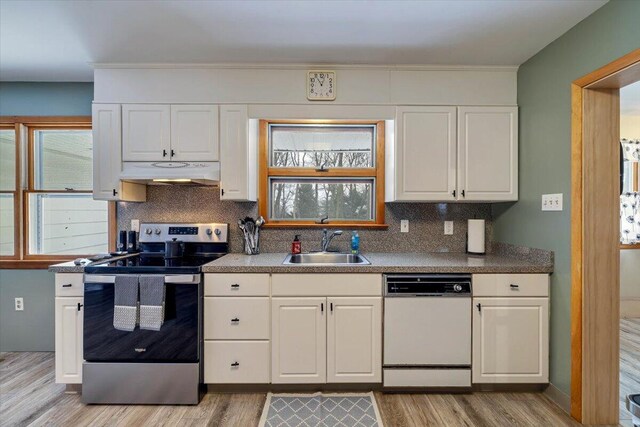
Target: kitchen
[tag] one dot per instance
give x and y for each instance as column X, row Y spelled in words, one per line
column 426, row 294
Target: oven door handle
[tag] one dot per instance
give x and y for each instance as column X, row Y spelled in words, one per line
column 176, row 278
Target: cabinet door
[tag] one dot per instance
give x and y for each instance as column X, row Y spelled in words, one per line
column 354, row 340
column 107, row 157
column 488, row 153
column 511, row 340
column 68, row 327
column 298, row 340
column 194, row 133
column 146, row 130
column 425, row 154
column 238, row 149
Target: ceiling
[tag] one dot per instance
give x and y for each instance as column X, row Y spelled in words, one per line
column 56, row 40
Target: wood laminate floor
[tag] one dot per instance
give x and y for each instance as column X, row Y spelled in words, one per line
column 629, row 362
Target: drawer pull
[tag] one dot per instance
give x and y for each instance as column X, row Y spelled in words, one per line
column 235, row 320
column 514, row 287
column 68, row 285
column 235, row 364
column 235, row 286
column 479, row 306
column 80, row 306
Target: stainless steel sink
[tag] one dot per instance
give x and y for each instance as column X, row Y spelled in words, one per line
column 326, row 258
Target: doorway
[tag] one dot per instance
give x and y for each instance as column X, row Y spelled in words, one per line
column 595, row 243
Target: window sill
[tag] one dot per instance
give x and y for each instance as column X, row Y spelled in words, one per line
column 327, row 225
column 31, row 264
column 625, row 247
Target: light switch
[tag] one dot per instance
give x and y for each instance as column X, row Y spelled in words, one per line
column 552, row 202
column 404, row 225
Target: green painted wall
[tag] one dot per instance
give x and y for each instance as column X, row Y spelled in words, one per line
column 32, row 329
column 544, row 97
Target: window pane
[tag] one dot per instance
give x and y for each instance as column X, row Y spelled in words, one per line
column 68, row 224
column 339, row 199
column 312, row 146
column 7, row 224
column 63, row 159
column 7, row 159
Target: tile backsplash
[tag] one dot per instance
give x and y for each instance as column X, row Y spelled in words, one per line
column 202, row 204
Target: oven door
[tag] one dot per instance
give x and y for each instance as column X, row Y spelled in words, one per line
column 177, row 340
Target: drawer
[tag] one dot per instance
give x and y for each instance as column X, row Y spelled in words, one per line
column 236, row 362
column 245, row 318
column 69, row 285
column 510, row 285
column 309, row 285
column 236, row 285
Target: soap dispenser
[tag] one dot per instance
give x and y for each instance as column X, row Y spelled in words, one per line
column 355, row 243
column 296, row 245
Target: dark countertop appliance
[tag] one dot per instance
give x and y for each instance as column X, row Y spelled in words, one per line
column 150, row 366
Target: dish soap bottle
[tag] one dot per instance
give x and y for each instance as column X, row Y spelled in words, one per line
column 296, row 245
column 355, row 243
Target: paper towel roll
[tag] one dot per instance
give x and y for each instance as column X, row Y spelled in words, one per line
column 475, row 236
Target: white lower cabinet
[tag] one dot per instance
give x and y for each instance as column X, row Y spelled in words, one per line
column 298, row 338
column 236, row 362
column 354, row 335
column 68, row 336
column 511, row 340
column 333, row 340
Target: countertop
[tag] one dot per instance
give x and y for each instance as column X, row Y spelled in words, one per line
column 383, row 263
column 441, row 262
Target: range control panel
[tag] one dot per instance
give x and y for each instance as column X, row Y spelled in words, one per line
column 194, row 233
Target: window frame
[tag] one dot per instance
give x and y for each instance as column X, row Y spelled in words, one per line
column 25, row 128
column 376, row 174
column 635, row 186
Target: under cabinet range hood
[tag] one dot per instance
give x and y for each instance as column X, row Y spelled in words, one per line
column 198, row 173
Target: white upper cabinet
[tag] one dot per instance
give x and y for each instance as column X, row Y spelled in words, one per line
column 488, row 153
column 146, row 132
column 238, row 148
column 107, row 157
column 425, row 154
column 194, row 133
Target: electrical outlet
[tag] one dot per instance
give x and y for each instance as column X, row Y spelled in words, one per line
column 19, row 304
column 404, row 225
column 448, row 228
column 552, row 202
column 135, row 225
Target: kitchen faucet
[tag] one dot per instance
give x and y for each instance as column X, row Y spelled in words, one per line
column 326, row 238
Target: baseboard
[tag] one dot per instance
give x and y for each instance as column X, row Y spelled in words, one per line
column 559, row 397
column 629, row 307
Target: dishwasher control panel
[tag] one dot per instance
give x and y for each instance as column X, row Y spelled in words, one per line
column 427, row 285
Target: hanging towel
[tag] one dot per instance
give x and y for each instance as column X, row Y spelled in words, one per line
column 152, row 293
column 125, row 304
column 630, row 218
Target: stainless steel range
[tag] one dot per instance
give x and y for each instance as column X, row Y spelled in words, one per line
column 143, row 317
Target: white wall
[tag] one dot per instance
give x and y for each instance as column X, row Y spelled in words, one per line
column 630, row 283
column 360, row 85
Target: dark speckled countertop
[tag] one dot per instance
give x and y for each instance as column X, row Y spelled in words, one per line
column 384, row 263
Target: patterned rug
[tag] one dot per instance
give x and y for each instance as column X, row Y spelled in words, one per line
column 321, row 410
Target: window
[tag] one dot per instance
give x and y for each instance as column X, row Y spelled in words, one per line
column 315, row 173
column 47, row 210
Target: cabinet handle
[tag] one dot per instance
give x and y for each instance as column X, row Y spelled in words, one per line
column 234, row 364
column 321, row 307
column 479, row 307
column 462, row 192
column 173, row 153
column 114, row 192
column 80, row 306
column 454, row 193
column 514, row 287
column 235, row 320
column 331, row 306
column 164, row 153
column 235, row 286
column 222, row 191
column 68, row 285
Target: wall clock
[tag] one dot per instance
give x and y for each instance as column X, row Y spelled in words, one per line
column 321, row 85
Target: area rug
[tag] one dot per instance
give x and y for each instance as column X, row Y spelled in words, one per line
column 321, row 410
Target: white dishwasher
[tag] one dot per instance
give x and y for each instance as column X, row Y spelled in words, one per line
column 427, row 331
